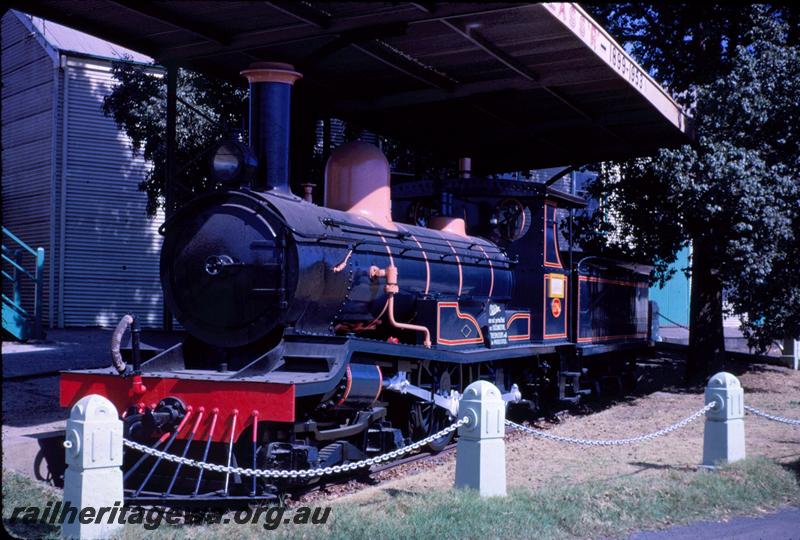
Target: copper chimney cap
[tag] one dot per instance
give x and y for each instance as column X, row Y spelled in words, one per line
column 271, row 72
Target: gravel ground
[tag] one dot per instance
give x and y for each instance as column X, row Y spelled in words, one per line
column 534, row 463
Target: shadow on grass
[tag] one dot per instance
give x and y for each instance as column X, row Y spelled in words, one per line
column 20, row 529
column 794, row 468
column 644, row 466
column 391, row 492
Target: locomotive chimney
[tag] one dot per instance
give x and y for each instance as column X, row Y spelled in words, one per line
column 270, row 103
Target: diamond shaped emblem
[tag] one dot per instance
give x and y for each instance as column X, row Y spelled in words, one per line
column 466, row 331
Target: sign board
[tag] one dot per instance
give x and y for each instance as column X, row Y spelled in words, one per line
column 497, row 330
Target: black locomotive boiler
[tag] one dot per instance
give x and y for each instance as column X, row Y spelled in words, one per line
column 319, row 335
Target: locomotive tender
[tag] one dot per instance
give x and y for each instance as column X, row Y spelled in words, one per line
column 319, row 335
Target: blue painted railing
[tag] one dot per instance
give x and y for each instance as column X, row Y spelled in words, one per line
column 22, row 323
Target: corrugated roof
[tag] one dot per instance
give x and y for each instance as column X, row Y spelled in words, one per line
column 65, row 39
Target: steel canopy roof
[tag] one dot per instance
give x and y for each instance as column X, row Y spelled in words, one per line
column 511, row 85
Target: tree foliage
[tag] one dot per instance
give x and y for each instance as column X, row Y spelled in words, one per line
column 685, row 45
column 735, row 192
column 208, row 109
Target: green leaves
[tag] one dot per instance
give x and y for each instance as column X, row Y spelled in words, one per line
column 208, row 109
column 736, row 190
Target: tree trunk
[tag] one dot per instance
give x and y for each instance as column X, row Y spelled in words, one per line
column 706, row 337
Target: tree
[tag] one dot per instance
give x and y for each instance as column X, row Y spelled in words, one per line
column 688, row 45
column 208, row 109
column 734, row 194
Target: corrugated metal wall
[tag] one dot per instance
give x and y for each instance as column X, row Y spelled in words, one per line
column 29, row 74
column 70, row 185
column 111, row 249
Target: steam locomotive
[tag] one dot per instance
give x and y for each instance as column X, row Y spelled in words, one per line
column 320, row 335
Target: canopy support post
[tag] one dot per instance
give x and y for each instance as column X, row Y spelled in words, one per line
column 169, row 178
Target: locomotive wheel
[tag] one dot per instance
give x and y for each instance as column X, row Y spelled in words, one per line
column 425, row 418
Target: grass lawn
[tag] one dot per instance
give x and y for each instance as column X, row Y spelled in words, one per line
column 585, row 510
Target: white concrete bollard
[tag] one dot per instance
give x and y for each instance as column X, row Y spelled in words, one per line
column 93, row 479
column 723, row 440
column 481, row 450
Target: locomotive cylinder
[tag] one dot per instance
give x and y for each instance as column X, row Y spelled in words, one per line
column 360, row 387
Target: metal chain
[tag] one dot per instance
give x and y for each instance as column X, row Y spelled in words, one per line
column 782, row 419
column 613, row 442
column 303, row 473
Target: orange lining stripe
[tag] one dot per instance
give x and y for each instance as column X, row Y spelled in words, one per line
column 555, row 237
column 347, row 388
column 548, row 263
column 545, row 335
column 424, row 256
column 467, row 316
column 427, row 265
column 514, row 317
column 458, row 260
column 380, row 384
column 491, row 270
column 388, row 249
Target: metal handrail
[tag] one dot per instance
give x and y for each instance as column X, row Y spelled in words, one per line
column 18, row 267
column 9, row 255
column 19, row 242
column 15, row 305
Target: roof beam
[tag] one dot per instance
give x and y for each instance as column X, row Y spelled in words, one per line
column 303, row 30
column 356, row 36
column 560, row 174
column 154, row 11
column 303, row 12
column 418, row 97
column 427, row 7
column 406, row 66
column 495, row 52
column 515, row 65
column 351, row 37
